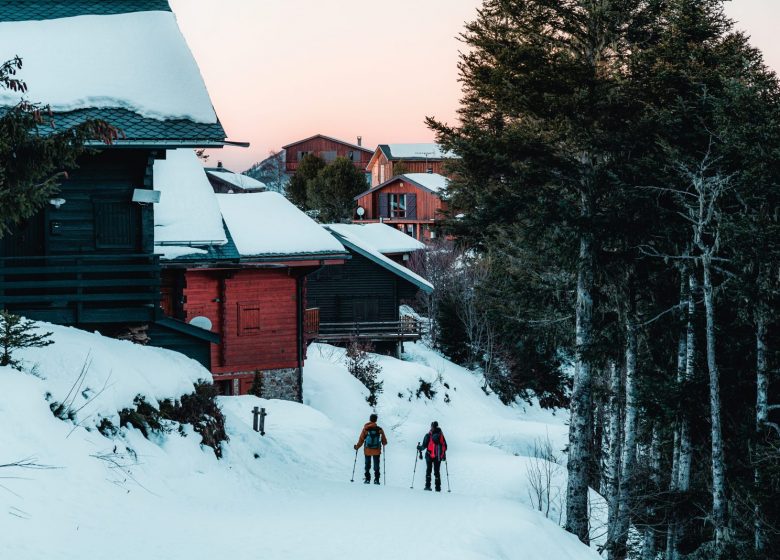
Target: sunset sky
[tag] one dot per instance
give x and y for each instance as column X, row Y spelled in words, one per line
column 282, row 70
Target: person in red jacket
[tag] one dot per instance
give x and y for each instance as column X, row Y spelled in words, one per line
column 435, row 446
column 373, row 437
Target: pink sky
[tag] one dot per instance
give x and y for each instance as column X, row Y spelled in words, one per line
column 282, row 70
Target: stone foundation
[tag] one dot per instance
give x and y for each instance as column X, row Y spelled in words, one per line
column 283, row 384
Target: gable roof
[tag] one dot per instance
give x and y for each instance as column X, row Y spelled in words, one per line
column 385, row 239
column 350, row 144
column 431, row 182
column 266, row 224
column 424, row 151
column 361, row 247
column 146, row 83
column 235, row 179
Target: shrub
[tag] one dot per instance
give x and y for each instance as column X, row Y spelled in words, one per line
column 16, row 333
column 425, row 389
column 363, row 367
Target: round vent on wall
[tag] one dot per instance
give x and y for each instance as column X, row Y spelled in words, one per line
column 201, row 322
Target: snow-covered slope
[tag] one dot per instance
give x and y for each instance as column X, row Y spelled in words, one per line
column 284, row 495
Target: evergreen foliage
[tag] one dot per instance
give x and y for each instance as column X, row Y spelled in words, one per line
column 298, row 187
column 331, row 193
column 619, row 166
column 33, row 160
column 16, row 333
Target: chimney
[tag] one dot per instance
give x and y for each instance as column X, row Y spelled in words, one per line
column 430, row 169
column 360, row 140
column 219, row 165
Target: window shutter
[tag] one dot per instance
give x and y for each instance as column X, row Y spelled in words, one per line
column 411, row 206
column 114, row 227
column 248, row 319
column 383, row 206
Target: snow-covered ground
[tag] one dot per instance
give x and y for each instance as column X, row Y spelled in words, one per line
column 285, row 495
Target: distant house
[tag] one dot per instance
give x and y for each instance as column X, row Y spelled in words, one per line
column 410, row 158
column 87, row 258
column 235, row 265
column 360, row 299
column 411, row 203
column 326, row 148
column 225, row 181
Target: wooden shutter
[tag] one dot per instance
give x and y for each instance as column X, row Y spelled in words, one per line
column 384, row 205
column 411, row 206
column 248, row 319
column 114, row 224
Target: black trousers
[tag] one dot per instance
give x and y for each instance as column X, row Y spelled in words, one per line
column 376, row 466
column 434, row 464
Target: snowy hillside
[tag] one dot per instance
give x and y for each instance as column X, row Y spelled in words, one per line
column 285, row 495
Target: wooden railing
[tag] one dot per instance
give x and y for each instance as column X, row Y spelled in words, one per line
column 311, row 323
column 82, row 288
column 407, row 328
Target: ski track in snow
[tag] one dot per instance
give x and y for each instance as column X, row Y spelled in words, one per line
column 285, row 495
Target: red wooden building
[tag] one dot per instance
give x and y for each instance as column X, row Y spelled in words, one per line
column 326, row 148
column 414, row 158
column 249, row 286
column 411, row 203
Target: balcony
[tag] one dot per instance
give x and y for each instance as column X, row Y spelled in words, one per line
column 406, row 328
column 76, row 289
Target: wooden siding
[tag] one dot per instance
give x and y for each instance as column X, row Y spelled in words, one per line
column 412, row 166
column 318, row 145
column 190, row 346
column 255, row 312
column 343, row 292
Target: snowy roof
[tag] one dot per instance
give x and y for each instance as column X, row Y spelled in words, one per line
column 428, row 150
column 266, row 223
column 431, row 181
column 237, row 179
column 108, row 60
column 361, row 247
column 188, row 212
column 383, row 238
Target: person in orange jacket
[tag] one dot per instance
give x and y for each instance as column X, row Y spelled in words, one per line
column 372, row 437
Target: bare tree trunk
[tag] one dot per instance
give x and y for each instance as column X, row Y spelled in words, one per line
column 762, row 413
column 628, row 455
column 719, row 505
column 649, row 540
column 577, row 521
column 612, row 472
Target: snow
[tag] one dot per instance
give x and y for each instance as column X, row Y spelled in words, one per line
column 237, row 179
column 425, row 150
column 284, row 495
column 188, row 212
column 266, row 223
column 383, row 238
column 431, row 181
column 175, row 251
column 369, row 251
column 137, row 61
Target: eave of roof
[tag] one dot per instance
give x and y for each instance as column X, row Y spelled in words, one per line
column 186, row 328
column 350, row 144
column 393, row 179
column 28, row 10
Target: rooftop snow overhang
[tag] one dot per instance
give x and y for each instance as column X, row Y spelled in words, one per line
column 393, row 179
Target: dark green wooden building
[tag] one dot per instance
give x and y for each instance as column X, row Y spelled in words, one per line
column 87, row 259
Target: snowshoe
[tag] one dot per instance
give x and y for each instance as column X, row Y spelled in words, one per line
column 367, row 481
column 376, row 481
column 427, row 488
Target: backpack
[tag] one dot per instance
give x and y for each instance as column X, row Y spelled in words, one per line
column 373, row 438
column 437, row 446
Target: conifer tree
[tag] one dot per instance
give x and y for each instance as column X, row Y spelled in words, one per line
column 307, row 170
column 16, row 333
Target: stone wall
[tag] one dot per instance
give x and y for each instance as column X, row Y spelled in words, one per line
column 283, row 384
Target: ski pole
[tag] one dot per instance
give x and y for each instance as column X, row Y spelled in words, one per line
column 353, row 467
column 384, row 461
column 416, row 455
column 447, row 470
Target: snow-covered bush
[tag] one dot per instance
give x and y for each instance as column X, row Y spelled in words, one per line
column 363, row 367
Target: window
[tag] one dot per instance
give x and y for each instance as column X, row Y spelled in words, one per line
column 248, row 319
column 302, row 155
column 328, row 156
column 397, row 205
column 382, row 173
column 115, row 226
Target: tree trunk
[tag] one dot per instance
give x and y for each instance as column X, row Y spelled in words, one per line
column 628, row 455
column 649, row 540
column 612, row 473
column 577, row 521
column 762, row 412
column 719, row 506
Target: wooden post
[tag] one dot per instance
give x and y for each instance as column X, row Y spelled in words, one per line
column 258, row 420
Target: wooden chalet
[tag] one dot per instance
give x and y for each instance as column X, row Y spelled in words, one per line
column 235, row 265
column 360, row 299
column 87, row 259
column 411, row 203
column 225, row 181
column 328, row 149
column 412, row 158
